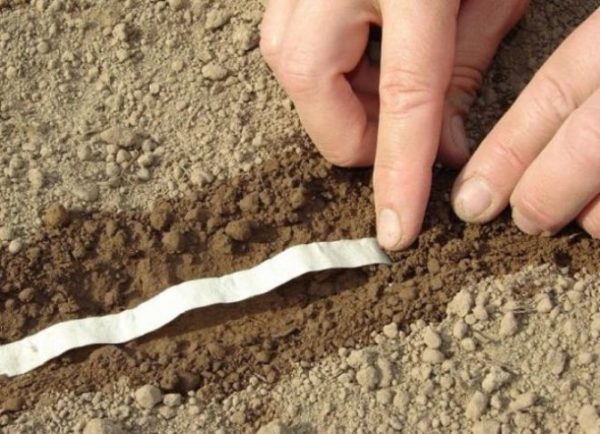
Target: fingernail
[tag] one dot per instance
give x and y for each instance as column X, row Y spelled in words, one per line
column 459, row 136
column 389, row 232
column 524, row 224
column 473, row 199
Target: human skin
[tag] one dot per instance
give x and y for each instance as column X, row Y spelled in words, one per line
column 403, row 115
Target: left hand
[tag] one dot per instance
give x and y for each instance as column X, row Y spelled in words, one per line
column 543, row 156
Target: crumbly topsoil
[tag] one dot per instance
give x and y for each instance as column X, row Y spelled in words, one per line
column 84, row 265
column 162, row 119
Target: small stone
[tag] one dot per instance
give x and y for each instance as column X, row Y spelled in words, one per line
column 177, row 5
column 368, row 377
column 523, row 401
column 216, row 18
column 26, row 295
column 480, row 313
column 43, row 47
column 558, row 362
column 154, row 88
column 122, row 156
column 401, row 400
column 119, row 136
column 431, row 338
column 588, row 419
column 15, row 246
column 6, row 233
column 432, row 356
column 177, row 65
column 120, row 32
column 468, row 344
column 172, row 399
column 102, row 426
column 143, row 174
column 214, row 72
column 461, row 304
column 167, row 412
column 173, row 241
column 384, row 396
column 239, row 230
column 486, row 427
column 84, row 153
column 12, row 404
column 87, row 193
column 433, row 266
column 36, row 178
column 495, row 379
column 148, row 396
column 250, row 203
column 274, row 427
column 509, row 325
column 477, row 405
column 145, row 160
column 390, row 330
column 544, row 304
column 55, row 216
column 585, row 358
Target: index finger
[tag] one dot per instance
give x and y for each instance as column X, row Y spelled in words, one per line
column 417, row 57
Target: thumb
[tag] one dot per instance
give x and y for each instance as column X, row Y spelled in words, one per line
column 481, row 27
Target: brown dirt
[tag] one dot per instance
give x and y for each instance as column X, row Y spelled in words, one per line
column 84, row 265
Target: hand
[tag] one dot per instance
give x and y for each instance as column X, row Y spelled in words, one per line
column 544, row 154
column 433, row 56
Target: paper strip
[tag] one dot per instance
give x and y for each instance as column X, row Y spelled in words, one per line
column 31, row 352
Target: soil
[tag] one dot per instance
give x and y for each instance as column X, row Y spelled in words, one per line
column 103, row 264
column 147, row 145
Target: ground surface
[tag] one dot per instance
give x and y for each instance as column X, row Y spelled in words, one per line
column 146, row 143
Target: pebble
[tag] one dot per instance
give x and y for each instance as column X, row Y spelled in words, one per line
column 544, row 304
column 167, row 412
column 239, row 230
column 84, row 153
column 177, row 5
column 431, row 338
column 509, row 325
column 432, row 356
column 477, row 405
column 384, row 396
column 468, row 344
column 148, row 396
column 486, row 427
column 274, row 427
column 523, row 401
column 495, row 379
column 368, row 377
column 588, row 419
column 6, row 233
column 87, row 193
column 558, row 362
column 391, row 330
column 172, row 399
column 102, row 426
column 460, row 329
column 216, row 18
column 15, row 246
column 119, row 136
column 36, row 178
column 214, row 72
column 461, row 304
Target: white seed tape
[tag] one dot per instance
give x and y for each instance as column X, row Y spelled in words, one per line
column 31, row 352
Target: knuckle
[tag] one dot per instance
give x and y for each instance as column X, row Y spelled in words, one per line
column 270, row 46
column 505, row 152
column 533, row 208
column 582, row 143
column 298, row 73
column 402, row 92
column 553, row 99
column 467, row 78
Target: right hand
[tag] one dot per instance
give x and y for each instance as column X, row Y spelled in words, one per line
column 399, row 117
